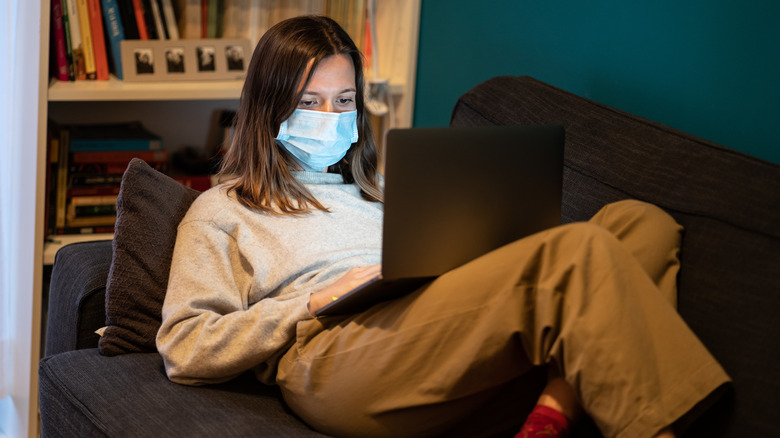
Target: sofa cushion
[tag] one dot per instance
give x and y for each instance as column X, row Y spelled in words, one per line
column 728, row 202
column 149, row 208
column 142, row 402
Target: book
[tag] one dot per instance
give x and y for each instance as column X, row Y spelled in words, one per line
column 91, row 179
column 103, row 229
column 117, row 156
column 98, row 40
column 170, row 19
column 128, row 136
column 211, row 18
column 190, row 16
column 86, row 211
column 151, row 28
column 158, row 20
column 58, row 33
column 93, row 190
column 79, row 63
column 127, row 15
column 68, row 43
column 86, row 39
column 258, row 20
column 62, row 179
column 115, row 33
column 200, row 183
column 140, row 18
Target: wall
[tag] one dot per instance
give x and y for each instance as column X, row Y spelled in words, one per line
column 708, row 67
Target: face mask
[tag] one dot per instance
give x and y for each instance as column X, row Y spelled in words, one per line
column 318, row 139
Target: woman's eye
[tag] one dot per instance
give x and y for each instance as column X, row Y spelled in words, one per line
column 307, row 103
column 345, row 101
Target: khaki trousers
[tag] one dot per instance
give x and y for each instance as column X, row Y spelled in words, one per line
column 594, row 301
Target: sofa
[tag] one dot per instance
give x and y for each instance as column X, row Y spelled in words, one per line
column 729, row 286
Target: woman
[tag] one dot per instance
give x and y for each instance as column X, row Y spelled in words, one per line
column 299, row 224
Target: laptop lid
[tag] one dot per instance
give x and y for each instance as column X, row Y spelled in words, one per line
column 453, row 194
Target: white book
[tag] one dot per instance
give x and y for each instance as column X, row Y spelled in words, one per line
column 192, row 19
column 258, row 19
column 158, row 20
column 170, row 20
column 242, row 8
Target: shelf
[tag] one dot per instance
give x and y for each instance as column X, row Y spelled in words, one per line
column 54, row 243
column 115, row 90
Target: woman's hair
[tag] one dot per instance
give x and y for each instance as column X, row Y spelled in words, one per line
column 261, row 170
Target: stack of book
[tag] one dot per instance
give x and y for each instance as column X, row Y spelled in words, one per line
column 86, row 34
column 88, row 162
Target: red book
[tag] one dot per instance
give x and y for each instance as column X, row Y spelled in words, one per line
column 98, row 39
column 59, row 40
column 117, row 156
column 141, row 21
column 204, row 31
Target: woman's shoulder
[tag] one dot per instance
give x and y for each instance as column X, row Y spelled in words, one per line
column 210, row 204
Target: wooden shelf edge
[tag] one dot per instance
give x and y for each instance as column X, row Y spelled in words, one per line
column 54, row 243
column 116, row 90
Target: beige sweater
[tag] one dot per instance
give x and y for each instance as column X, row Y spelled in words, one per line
column 240, row 280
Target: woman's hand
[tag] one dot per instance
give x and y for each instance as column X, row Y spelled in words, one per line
column 352, row 279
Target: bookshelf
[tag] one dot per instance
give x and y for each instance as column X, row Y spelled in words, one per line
column 166, row 107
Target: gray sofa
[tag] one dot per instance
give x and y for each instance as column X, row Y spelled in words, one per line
column 729, row 284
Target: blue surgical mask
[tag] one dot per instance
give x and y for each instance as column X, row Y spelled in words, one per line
column 318, row 139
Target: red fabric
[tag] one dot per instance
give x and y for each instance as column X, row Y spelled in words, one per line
column 545, row 422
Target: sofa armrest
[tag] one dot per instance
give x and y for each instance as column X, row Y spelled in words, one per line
column 77, row 296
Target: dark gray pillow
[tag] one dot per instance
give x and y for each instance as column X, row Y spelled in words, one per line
column 149, row 208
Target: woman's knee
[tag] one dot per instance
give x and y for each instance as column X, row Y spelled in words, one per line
column 638, row 222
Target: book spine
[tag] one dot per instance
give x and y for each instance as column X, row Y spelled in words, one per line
column 121, row 144
column 127, row 15
column 92, row 180
column 86, row 39
column 98, row 39
column 140, row 19
column 59, row 40
column 77, row 201
column 158, row 20
column 117, row 157
column 213, row 12
column 115, row 33
column 62, row 179
column 106, row 190
column 86, row 230
column 204, row 19
column 68, row 44
column 79, row 62
column 170, row 20
column 192, row 19
column 151, row 28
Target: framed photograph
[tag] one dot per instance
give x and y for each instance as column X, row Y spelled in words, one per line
column 184, row 60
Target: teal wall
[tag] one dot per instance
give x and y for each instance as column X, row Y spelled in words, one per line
column 708, row 67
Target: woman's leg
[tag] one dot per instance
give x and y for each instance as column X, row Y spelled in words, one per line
column 650, row 235
column 653, row 238
column 572, row 296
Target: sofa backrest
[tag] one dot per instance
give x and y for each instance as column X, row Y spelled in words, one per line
column 728, row 202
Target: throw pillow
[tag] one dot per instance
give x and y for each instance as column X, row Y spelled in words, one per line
column 149, row 208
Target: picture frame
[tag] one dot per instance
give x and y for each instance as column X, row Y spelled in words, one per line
column 185, row 60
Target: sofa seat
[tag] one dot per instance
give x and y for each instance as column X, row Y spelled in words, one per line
column 140, row 395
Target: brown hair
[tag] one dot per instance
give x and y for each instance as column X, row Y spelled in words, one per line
column 261, row 168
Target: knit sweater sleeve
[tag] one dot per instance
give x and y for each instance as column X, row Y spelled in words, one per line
column 211, row 331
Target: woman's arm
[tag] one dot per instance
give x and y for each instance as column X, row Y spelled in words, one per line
column 352, row 279
column 211, row 331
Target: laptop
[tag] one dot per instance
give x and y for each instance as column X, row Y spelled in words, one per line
column 454, row 194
